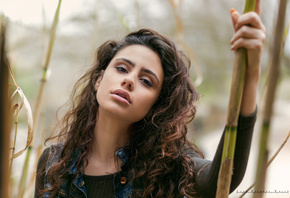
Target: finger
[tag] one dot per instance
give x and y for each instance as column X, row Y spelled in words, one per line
column 248, row 32
column 249, row 44
column 235, row 16
column 257, row 7
column 252, row 19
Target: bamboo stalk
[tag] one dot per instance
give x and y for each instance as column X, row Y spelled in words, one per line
column 268, row 163
column 4, row 114
column 38, row 147
column 30, row 186
column 281, row 54
column 46, row 67
column 270, row 96
column 24, row 173
column 180, row 39
column 17, row 109
column 22, row 183
column 15, row 132
column 238, row 78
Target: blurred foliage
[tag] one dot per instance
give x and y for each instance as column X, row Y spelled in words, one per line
column 207, row 30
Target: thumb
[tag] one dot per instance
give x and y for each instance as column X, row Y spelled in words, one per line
column 235, row 16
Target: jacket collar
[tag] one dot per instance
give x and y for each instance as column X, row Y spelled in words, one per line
column 122, row 153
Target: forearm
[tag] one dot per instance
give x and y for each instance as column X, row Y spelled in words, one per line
column 250, row 33
column 248, row 103
column 207, row 172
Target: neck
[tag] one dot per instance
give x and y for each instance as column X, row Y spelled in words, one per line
column 110, row 134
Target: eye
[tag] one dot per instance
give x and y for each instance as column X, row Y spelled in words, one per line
column 121, row 69
column 146, row 82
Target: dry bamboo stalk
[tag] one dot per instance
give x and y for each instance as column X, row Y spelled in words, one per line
column 270, row 96
column 22, row 183
column 267, row 75
column 17, row 109
column 238, row 78
column 4, row 114
column 46, row 67
column 180, row 39
column 268, row 163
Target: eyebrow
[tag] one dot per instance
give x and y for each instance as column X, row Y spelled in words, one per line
column 143, row 69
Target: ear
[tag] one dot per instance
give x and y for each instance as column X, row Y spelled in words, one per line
column 99, row 81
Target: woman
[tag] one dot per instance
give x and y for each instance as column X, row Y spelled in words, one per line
column 125, row 135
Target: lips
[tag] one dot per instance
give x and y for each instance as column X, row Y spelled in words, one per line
column 123, row 94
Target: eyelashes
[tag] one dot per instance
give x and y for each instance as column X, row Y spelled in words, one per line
column 122, row 69
column 144, row 80
column 147, row 82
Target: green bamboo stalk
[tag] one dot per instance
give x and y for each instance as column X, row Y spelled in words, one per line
column 39, row 98
column 123, row 21
column 270, row 96
column 38, row 147
column 238, row 78
column 4, row 113
column 24, row 173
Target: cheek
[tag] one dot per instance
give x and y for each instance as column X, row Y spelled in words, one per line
column 144, row 105
column 101, row 93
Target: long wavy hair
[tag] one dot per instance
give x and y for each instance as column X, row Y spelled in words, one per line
column 158, row 143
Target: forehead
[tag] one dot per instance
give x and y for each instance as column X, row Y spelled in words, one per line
column 141, row 56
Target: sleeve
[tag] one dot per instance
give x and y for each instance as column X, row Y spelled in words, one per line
column 40, row 173
column 207, row 171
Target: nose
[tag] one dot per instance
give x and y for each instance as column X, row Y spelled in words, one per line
column 127, row 83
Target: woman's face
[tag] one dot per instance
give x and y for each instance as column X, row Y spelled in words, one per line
column 131, row 84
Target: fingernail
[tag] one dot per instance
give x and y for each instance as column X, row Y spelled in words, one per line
column 233, row 10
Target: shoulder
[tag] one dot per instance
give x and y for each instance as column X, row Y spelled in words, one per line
column 199, row 161
column 191, row 153
column 49, row 155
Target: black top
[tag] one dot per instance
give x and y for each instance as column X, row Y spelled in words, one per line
column 99, row 186
column 206, row 171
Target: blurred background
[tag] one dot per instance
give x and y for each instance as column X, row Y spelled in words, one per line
column 203, row 28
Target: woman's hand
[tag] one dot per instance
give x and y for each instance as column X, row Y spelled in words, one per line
column 250, row 33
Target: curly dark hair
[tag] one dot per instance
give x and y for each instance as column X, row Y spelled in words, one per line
column 158, row 143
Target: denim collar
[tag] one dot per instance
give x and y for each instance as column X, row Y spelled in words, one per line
column 122, row 153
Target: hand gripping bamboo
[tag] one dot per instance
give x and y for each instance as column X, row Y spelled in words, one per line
column 238, row 78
